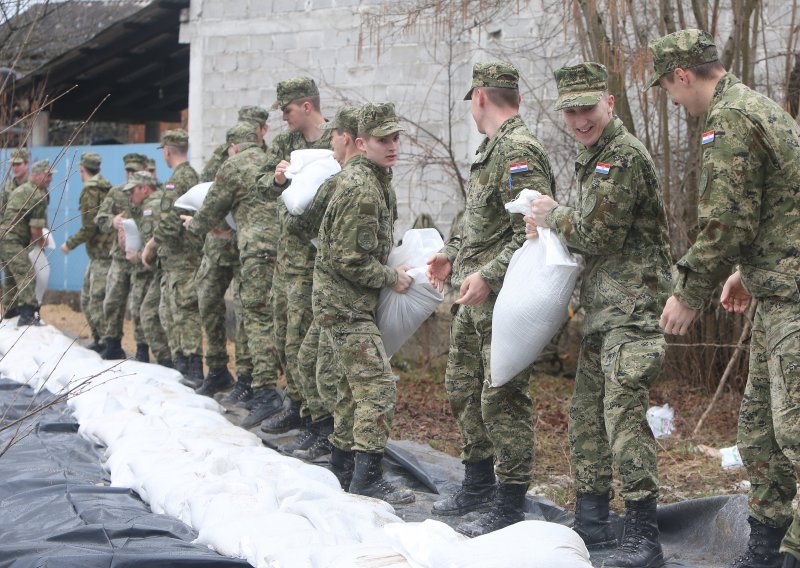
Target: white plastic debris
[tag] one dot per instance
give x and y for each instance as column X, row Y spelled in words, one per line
column 308, row 169
column 731, row 458
column 661, row 420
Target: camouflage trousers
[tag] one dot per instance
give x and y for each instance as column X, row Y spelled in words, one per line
column 211, row 283
column 165, row 315
column 314, row 366
column 254, row 288
column 17, row 265
column 140, row 282
column 118, row 287
column 607, row 422
column 365, row 390
column 9, row 298
column 244, row 362
column 93, row 293
column 154, row 333
column 278, row 302
column 769, row 418
column 182, row 305
column 298, row 320
column 493, row 421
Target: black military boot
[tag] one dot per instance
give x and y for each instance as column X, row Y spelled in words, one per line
column 762, row 547
column 194, row 371
column 320, row 446
column 302, row 441
column 241, row 392
column 166, row 362
column 266, row 402
column 592, row 522
column 142, row 352
column 284, row 420
column 27, row 316
column 639, row 547
column 11, row 313
column 181, row 363
column 113, row 349
column 368, row 480
column 218, row 379
column 790, row 561
column 476, row 492
column 508, row 508
column 96, row 345
column 342, row 464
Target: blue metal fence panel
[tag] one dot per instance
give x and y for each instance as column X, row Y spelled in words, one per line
column 66, row 270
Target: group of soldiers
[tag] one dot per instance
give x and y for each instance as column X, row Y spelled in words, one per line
column 306, row 286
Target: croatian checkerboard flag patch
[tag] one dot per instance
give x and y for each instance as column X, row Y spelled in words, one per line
column 602, row 168
column 708, row 137
column 518, row 167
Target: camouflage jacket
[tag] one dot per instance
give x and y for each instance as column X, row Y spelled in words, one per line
column 234, row 191
column 10, row 185
column 621, row 230
column 218, row 156
column 115, row 202
column 220, row 251
column 511, row 160
column 98, row 244
column 26, row 207
column 749, row 206
column 176, row 247
column 355, row 238
column 145, row 217
column 306, row 226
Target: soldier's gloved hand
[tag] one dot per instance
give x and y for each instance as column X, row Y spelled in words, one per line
column 404, row 281
column 439, row 269
column 735, row 298
column 187, row 219
column 474, row 290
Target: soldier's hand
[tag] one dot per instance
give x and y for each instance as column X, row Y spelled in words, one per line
column 121, row 238
column 474, row 290
column 222, row 233
column 540, row 207
column 439, row 269
column 65, row 248
column 530, row 228
column 735, row 298
column 118, row 221
column 147, row 252
column 404, row 281
column 131, row 256
column 187, row 219
column 676, row 318
column 280, row 172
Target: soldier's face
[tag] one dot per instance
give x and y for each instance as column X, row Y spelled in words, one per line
column 682, row 92
column 42, row 179
column 20, row 171
column 586, row 123
column 293, row 115
column 382, row 150
column 339, row 145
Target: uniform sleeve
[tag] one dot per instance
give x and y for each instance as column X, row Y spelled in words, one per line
column 354, row 237
column 38, row 211
column 538, row 176
column 218, row 202
column 275, row 155
column 104, row 220
column 90, row 204
column 214, row 163
column 306, row 226
column 729, row 206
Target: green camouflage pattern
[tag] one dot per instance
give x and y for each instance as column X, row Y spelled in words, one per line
column 140, row 283
column 244, row 361
column 315, row 367
column 295, row 88
column 306, row 226
column 118, row 288
column 115, row 202
column 93, row 292
column 378, row 119
column 165, row 315
column 10, row 185
column 42, row 166
column 177, row 247
column 26, row 208
column 177, row 138
column 218, row 156
column 98, row 244
column 255, row 115
column 15, row 263
column 211, row 284
column 91, row 160
column 149, row 315
column 496, row 74
column 19, row 156
column 298, row 320
column 134, row 162
column 684, row 48
column 749, row 207
column 182, row 304
column 346, row 120
column 580, row 85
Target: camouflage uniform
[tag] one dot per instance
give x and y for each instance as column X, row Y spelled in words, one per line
column 621, row 230
column 19, row 156
column 748, row 215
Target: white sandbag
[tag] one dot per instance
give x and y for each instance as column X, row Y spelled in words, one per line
column 400, row 315
column 194, row 197
column 533, row 301
column 133, row 239
column 42, row 268
column 307, row 170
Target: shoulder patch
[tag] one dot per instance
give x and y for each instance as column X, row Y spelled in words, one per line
column 169, row 186
column 708, row 137
column 602, row 168
column 517, row 167
column 147, row 213
column 367, row 208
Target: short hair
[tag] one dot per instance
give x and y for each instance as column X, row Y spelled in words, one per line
column 313, row 100
column 502, row 97
column 93, row 171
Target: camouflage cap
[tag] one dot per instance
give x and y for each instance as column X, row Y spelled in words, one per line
column 150, row 163
column 256, row 114
column 241, row 133
column 684, row 48
column 177, row 138
column 580, row 85
column 493, row 74
column 295, row 88
column 19, row 156
column 134, row 162
column 378, row 119
column 42, row 166
column 139, row 178
column 346, row 120
column 91, row 160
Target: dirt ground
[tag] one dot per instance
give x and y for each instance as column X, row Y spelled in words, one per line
column 423, row 415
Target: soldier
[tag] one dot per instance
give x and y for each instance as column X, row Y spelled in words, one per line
column 23, row 225
column 234, row 191
column 748, row 217
column 621, row 230
column 355, row 238
column 115, row 208
column 180, row 254
column 314, row 358
column 19, row 175
column 494, row 422
column 98, row 246
column 298, row 99
column 256, row 115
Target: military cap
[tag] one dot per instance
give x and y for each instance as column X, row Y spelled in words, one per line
column 91, row 160
column 493, row 74
column 134, row 161
column 240, row 133
column 684, row 48
column 580, row 85
column 256, row 114
column 378, row 119
column 295, row 88
column 177, row 138
column 19, row 156
column 142, row 177
column 42, row 166
column 150, row 163
column 346, row 120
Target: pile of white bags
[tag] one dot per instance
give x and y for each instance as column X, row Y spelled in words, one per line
column 41, row 265
column 133, row 240
column 399, row 315
column 307, row 170
column 534, row 299
column 194, row 197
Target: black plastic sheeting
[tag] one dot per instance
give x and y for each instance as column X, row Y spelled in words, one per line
column 57, row 509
